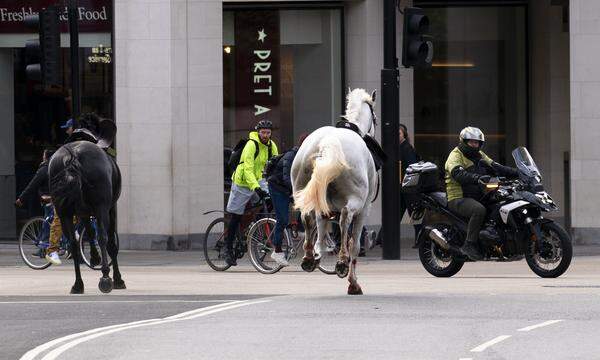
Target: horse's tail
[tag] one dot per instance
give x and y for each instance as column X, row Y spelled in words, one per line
column 66, row 184
column 327, row 165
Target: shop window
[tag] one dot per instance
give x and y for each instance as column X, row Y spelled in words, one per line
column 478, row 78
column 281, row 65
column 31, row 116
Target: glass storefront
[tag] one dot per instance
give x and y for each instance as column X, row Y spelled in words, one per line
column 281, row 65
column 31, row 116
column 478, row 78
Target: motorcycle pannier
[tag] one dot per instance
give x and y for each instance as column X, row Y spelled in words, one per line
column 422, row 177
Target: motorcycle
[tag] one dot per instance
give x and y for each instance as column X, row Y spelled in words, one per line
column 515, row 226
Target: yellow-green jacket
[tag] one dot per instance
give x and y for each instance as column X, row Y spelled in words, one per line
column 249, row 170
column 456, row 158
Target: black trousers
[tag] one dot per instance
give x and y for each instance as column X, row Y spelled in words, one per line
column 472, row 210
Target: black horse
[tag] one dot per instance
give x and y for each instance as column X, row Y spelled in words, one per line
column 85, row 181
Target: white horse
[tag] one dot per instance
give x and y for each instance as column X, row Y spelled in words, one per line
column 334, row 173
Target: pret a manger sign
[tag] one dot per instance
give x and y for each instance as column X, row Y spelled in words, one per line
column 257, row 66
column 94, row 15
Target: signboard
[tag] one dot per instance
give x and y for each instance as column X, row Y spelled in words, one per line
column 257, row 67
column 94, row 15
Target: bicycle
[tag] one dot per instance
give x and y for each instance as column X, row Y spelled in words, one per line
column 261, row 246
column 34, row 241
column 216, row 232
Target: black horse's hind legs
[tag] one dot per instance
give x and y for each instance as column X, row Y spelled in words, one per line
column 69, row 231
column 106, row 284
column 113, row 251
column 89, row 237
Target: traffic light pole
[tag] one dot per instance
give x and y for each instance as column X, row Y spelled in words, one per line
column 390, row 113
column 74, row 36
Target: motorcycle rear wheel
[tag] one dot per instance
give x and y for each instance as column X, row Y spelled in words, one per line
column 555, row 256
column 435, row 260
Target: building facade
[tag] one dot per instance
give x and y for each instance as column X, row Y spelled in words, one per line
column 189, row 78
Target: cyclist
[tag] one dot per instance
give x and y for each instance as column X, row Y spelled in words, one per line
column 248, row 183
column 280, row 189
column 39, row 184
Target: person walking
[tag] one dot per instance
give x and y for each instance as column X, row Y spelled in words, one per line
column 280, row 190
column 408, row 156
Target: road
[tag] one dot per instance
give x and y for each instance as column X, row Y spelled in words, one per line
column 195, row 313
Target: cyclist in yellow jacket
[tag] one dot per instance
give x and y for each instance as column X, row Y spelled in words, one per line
column 248, row 183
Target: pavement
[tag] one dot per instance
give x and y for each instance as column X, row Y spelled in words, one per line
column 487, row 311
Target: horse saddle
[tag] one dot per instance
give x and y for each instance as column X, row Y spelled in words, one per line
column 107, row 131
column 377, row 153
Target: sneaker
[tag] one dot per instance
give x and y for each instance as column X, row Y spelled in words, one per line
column 279, row 258
column 53, row 258
column 230, row 259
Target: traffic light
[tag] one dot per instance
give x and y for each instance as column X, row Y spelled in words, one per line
column 43, row 54
column 417, row 48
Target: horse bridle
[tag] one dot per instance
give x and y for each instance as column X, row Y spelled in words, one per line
column 374, row 117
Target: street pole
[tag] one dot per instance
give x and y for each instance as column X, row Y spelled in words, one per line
column 390, row 112
column 74, row 36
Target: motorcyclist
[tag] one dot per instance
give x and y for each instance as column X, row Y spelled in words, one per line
column 467, row 169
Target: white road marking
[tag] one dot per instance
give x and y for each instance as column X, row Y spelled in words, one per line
column 492, row 342
column 42, row 302
column 546, row 323
column 79, row 338
column 465, row 359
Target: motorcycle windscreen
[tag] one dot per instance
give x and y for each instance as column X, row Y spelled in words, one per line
column 525, row 162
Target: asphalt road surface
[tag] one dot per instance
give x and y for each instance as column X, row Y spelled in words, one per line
column 177, row 308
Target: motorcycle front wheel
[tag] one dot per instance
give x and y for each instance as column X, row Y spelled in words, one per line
column 436, row 260
column 554, row 255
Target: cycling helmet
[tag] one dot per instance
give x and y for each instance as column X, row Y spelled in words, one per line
column 472, row 133
column 264, row 124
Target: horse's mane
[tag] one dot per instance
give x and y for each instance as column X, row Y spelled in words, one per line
column 354, row 101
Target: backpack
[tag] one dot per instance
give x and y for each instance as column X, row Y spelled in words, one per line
column 271, row 165
column 236, row 153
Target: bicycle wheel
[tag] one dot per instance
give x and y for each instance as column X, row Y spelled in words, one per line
column 260, row 246
column 214, row 245
column 88, row 246
column 332, row 248
column 32, row 252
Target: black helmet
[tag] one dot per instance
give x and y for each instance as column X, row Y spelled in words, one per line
column 264, row 124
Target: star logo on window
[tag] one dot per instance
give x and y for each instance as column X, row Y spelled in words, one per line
column 262, row 35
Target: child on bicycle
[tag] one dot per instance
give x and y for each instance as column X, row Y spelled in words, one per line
column 39, row 185
column 248, row 183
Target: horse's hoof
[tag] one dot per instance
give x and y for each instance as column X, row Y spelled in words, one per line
column 309, row 264
column 354, row 290
column 77, row 288
column 119, row 285
column 105, row 285
column 342, row 269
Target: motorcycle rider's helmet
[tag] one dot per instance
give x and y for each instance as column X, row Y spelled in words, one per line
column 264, row 124
column 471, row 133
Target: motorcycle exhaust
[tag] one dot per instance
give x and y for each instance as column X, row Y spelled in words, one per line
column 438, row 238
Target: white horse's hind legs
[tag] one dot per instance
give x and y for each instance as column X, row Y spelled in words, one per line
column 322, row 235
column 346, row 215
column 309, row 263
column 354, row 247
